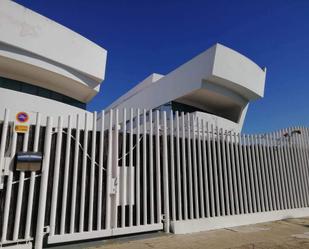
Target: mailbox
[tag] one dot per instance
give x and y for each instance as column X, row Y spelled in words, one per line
column 29, row 161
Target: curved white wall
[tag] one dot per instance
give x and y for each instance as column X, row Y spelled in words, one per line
column 18, row 101
column 39, row 51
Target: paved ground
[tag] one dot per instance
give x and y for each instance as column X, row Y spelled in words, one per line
column 286, row 234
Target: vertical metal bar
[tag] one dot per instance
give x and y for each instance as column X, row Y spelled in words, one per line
column 247, row 172
column 206, row 166
column 184, row 167
column 101, row 167
column 251, row 173
column 270, row 167
column 287, row 191
column 306, row 143
column 230, row 173
column 234, row 172
column 242, row 166
column 179, row 196
column 220, row 172
column 74, row 182
column 288, row 160
column 43, row 185
column 92, row 171
column 276, row 172
column 225, row 174
column 264, row 175
column 305, row 159
column 32, row 178
column 131, row 177
column 66, row 176
column 298, row 182
column 240, row 188
column 158, row 166
column 305, row 139
column 259, row 169
column 255, row 173
column 4, row 137
column 172, row 165
column 299, row 172
column 115, row 172
column 210, row 165
column 151, row 176
column 56, row 178
column 200, row 169
column 214, row 156
column 109, row 172
column 145, row 209
column 124, row 170
column 195, row 179
column 191, row 205
column 295, row 162
column 20, row 192
column 137, row 183
column 8, row 190
column 84, row 173
column 165, row 177
column 302, row 172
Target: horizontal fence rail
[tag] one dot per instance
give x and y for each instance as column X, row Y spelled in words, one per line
column 130, row 171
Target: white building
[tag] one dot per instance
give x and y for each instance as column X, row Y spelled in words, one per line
column 44, row 66
column 216, row 86
column 47, row 68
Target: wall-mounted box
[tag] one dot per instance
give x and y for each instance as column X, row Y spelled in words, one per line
column 29, row 161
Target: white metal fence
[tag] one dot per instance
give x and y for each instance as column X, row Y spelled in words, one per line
column 135, row 171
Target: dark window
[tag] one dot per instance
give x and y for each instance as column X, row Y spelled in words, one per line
column 39, row 91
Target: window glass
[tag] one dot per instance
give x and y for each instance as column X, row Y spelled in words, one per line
column 39, row 91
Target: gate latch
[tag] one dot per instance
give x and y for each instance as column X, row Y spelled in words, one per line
column 114, row 186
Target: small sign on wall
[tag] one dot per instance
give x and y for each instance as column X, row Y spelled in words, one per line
column 29, row 161
column 22, row 119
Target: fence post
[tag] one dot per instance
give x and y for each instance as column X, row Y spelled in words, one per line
column 109, row 172
column 115, row 172
column 56, row 178
column 3, row 142
column 43, row 187
column 165, row 177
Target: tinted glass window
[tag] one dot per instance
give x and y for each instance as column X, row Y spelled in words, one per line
column 39, row 91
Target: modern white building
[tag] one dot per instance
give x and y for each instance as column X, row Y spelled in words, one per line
column 103, row 178
column 44, row 66
column 47, row 68
column 216, row 86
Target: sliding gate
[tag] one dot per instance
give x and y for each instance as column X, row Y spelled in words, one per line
column 102, row 176
column 127, row 172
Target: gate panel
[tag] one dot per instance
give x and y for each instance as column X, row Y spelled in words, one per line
column 109, row 191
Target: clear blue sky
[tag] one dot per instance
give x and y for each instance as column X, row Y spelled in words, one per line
column 143, row 37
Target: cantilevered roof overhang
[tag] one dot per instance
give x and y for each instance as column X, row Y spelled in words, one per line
column 220, row 81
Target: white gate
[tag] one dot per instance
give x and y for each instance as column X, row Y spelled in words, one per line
column 101, row 177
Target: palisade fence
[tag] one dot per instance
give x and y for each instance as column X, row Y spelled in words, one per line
column 134, row 171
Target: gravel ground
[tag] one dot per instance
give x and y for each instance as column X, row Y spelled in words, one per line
column 285, row 234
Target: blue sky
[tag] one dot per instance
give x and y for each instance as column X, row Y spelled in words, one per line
column 143, row 37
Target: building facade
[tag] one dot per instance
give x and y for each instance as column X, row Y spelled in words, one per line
column 44, row 66
column 216, row 86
